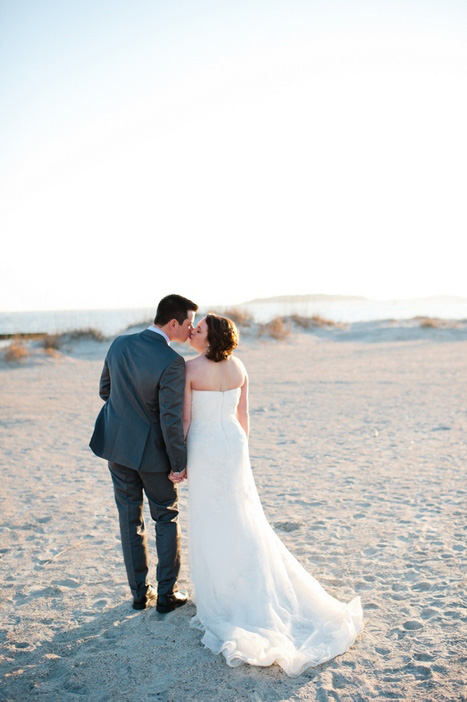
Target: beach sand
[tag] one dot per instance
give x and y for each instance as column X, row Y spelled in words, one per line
column 358, row 445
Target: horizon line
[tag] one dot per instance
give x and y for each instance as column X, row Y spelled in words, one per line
column 271, row 299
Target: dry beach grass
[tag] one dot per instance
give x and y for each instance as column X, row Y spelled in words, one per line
column 358, row 449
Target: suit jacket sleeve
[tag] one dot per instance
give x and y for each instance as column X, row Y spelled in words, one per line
column 171, row 394
column 104, row 384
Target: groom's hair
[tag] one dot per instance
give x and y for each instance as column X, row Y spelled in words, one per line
column 173, row 307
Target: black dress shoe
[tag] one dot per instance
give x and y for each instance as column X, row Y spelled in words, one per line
column 167, row 603
column 143, row 602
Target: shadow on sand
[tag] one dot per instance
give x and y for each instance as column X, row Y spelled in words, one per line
column 120, row 654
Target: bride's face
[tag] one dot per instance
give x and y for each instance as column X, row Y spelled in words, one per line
column 199, row 336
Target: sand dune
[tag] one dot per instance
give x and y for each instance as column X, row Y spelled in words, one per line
column 358, row 451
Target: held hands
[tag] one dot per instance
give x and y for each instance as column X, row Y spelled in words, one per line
column 177, row 477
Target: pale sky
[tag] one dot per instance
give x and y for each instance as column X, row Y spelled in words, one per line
column 231, row 149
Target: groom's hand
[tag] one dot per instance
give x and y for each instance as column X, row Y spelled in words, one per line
column 177, row 477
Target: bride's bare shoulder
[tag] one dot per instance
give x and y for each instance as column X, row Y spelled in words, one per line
column 196, row 361
column 238, row 362
column 239, row 366
column 195, row 364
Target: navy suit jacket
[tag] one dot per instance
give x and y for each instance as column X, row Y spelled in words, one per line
column 140, row 425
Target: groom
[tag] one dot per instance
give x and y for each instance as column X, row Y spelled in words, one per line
column 139, row 431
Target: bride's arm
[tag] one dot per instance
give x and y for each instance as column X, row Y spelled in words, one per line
column 187, row 404
column 242, row 409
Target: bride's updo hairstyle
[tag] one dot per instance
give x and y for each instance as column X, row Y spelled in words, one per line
column 222, row 337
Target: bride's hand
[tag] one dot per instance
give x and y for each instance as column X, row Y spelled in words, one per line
column 177, row 477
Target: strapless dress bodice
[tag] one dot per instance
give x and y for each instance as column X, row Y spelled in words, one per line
column 212, row 409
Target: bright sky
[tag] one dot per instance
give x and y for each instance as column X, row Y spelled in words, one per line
column 231, row 149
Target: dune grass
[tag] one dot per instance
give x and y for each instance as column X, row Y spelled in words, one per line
column 22, row 345
column 437, row 323
column 51, row 343
column 86, row 333
column 310, row 322
column 242, row 318
column 16, row 352
column 276, row 329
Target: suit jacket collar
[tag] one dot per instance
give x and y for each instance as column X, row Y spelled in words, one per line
column 155, row 337
column 157, row 330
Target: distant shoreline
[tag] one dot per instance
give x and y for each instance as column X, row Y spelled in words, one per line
column 287, row 299
column 278, row 328
column 351, row 298
column 306, row 298
column 335, row 309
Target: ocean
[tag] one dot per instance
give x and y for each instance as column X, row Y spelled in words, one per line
column 113, row 321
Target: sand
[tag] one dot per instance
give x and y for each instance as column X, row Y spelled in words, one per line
column 358, row 448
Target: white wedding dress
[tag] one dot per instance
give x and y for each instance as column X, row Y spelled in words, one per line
column 255, row 603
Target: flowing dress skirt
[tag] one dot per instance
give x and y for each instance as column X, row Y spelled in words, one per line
column 255, row 603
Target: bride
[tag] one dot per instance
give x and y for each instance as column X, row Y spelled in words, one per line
column 255, row 603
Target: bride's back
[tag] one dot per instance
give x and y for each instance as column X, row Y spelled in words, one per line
column 204, row 374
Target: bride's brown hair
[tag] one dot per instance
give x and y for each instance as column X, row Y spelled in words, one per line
column 222, row 337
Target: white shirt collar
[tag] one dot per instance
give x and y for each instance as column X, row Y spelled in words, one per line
column 159, row 331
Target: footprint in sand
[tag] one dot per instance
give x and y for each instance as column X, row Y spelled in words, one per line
column 396, row 632
column 423, row 657
column 428, row 613
column 44, row 592
column 339, row 681
column 382, row 651
column 412, row 625
column 100, row 604
column 369, row 551
column 420, row 672
column 288, row 526
column 68, row 582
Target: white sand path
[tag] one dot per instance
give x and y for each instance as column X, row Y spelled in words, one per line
column 359, row 454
